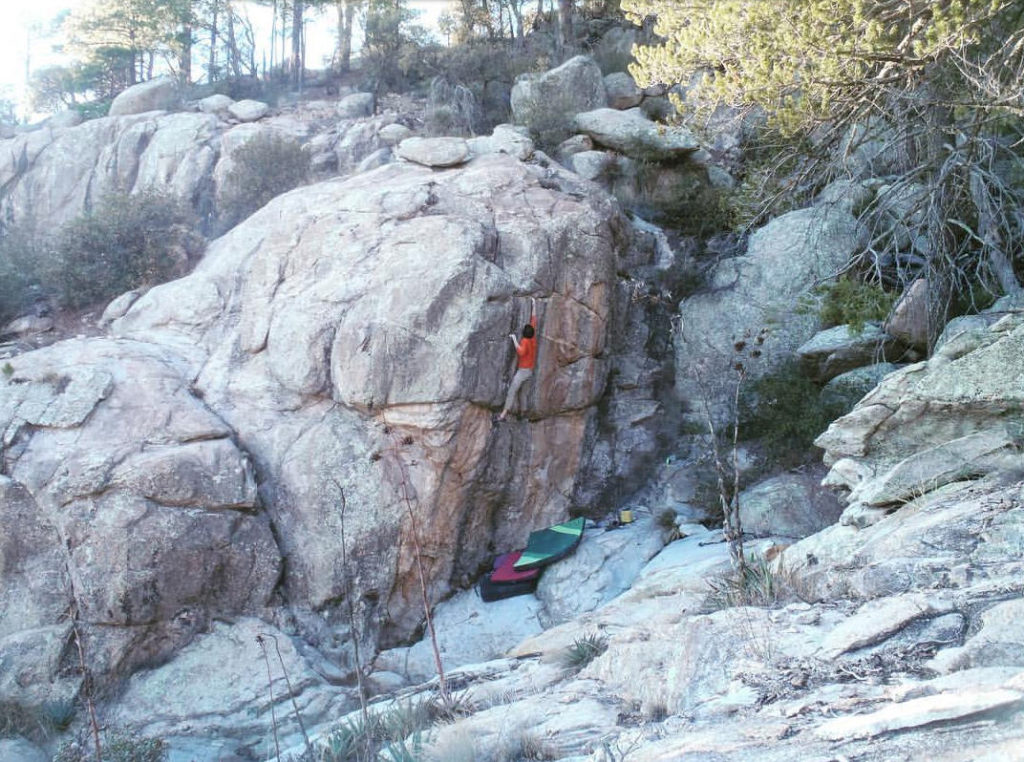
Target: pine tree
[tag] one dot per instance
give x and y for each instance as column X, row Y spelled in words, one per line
column 943, row 77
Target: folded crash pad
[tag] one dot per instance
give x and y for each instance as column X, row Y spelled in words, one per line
column 505, row 582
column 546, row 546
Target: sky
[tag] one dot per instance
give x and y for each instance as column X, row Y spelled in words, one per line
column 23, row 13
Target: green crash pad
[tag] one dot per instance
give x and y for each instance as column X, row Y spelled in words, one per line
column 546, row 546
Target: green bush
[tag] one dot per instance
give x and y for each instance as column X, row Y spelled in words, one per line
column 583, row 651
column 20, row 254
column 389, row 731
column 854, row 303
column 784, row 410
column 117, row 746
column 127, row 241
column 264, row 167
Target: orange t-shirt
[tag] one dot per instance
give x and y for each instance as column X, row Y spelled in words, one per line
column 527, row 349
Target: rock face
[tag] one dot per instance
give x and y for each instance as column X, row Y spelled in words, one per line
column 160, row 94
column 757, row 292
column 118, row 480
column 932, row 424
column 364, row 346
column 51, row 177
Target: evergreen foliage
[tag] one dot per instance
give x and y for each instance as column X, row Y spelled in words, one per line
column 854, row 303
column 938, row 83
column 264, row 167
column 785, row 412
column 125, row 242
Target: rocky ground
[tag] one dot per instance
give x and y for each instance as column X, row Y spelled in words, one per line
column 163, row 500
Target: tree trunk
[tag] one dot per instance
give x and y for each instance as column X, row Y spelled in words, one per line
column 564, row 23
column 234, row 56
column 517, row 12
column 273, row 40
column 211, row 73
column 297, row 62
column 185, row 60
column 346, row 16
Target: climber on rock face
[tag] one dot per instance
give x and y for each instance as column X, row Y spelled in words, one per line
column 526, row 350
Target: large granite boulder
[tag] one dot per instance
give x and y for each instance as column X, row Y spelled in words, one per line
column 127, row 502
column 788, row 505
column 633, row 134
column 362, row 348
column 550, row 99
column 160, row 94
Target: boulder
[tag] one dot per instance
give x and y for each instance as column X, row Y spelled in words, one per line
column 27, row 325
column 434, row 152
column 359, row 139
column 553, row 97
column 340, row 369
column 930, row 468
column 132, row 479
column 871, row 149
column 789, row 505
column 996, row 641
column 850, row 195
column 216, row 104
column 603, row 567
column 847, row 389
column 910, row 321
column 469, row 631
column 356, row 106
column 622, row 91
column 378, row 158
column 841, row 349
column 941, row 421
column 753, row 295
column 117, row 307
column 394, row 133
column 248, row 110
column 592, row 165
column 571, row 146
column 505, row 138
column 160, row 94
column 633, row 134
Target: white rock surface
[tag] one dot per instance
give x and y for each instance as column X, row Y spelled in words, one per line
column 160, row 94
column 434, row 152
column 248, row 110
